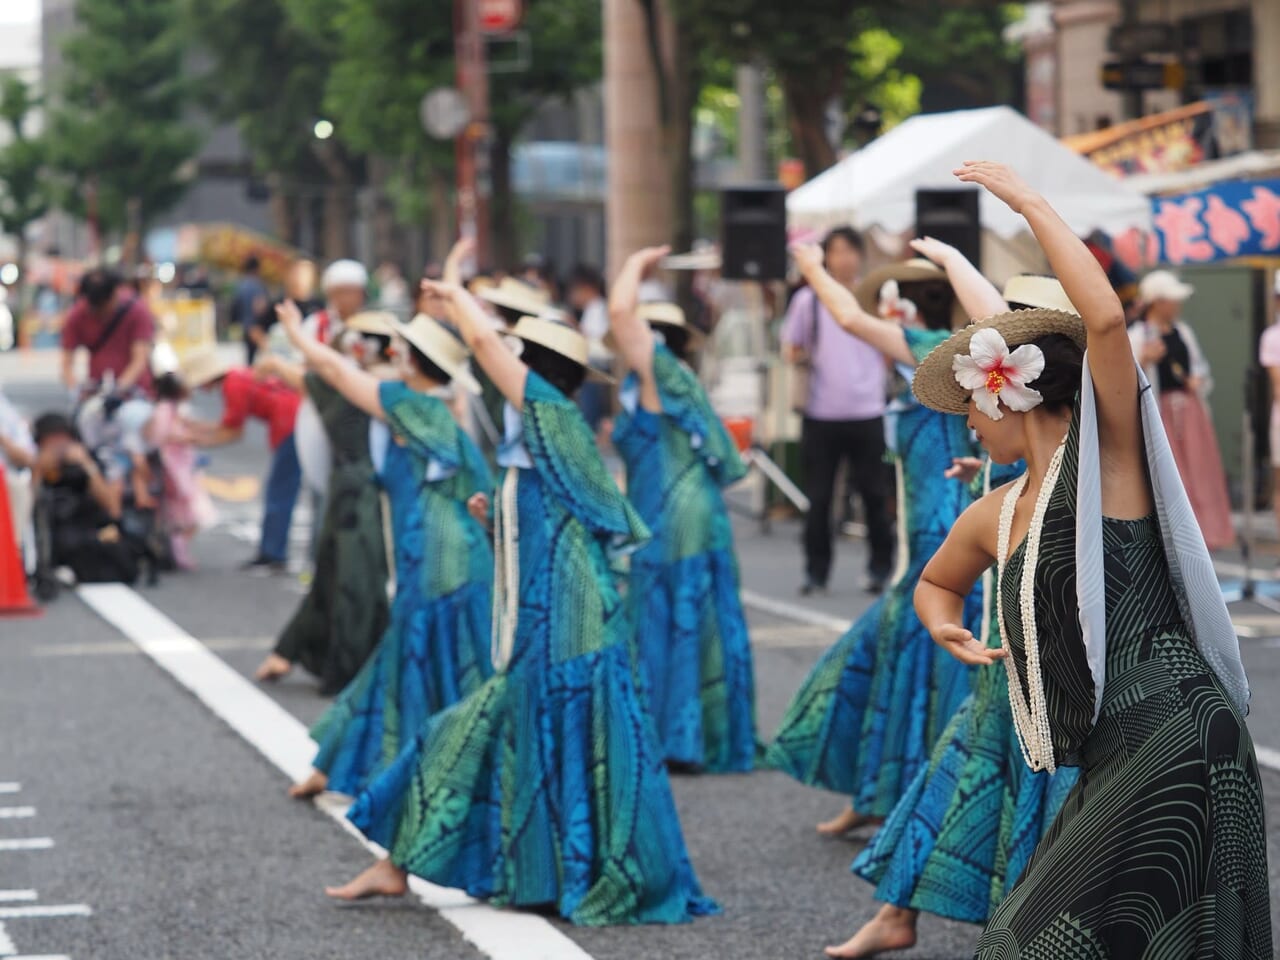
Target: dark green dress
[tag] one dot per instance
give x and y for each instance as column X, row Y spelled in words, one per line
column 345, row 612
column 1160, row 850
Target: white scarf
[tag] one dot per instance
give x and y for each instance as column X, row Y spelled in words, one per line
column 1190, row 566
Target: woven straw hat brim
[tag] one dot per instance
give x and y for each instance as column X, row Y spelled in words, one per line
column 935, row 383
column 867, row 291
column 510, row 294
column 441, row 348
column 378, row 323
column 558, row 338
column 201, row 369
column 1036, row 291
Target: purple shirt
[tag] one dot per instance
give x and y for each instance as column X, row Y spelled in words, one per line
column 847, row 376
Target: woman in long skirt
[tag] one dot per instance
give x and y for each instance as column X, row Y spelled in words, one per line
column 547, row 785
column 436, row 648
column 866, row 717
column 691, row 632
column 1120, row 652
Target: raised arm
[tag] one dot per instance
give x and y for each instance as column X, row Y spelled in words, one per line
column 358, row 387
column 1110, row 355
column 270, row 365
column 977, row 295
column 885, row 336
column 462, row 249
column 631, row 335
column 504, row 368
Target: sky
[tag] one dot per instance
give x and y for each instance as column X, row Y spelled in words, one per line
column 19, row 11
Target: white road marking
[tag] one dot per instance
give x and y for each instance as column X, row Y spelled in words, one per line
column 27, row 843
column 38, row 912
column 17, row 813
column 131, row 649
column 7, row 946
column 39, row 956
column 17, row 896
column 10, row 787
column 282, row 739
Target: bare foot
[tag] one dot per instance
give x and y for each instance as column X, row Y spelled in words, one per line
column 891, row 929
column 383, row 879
column 272, row 668
column 313, row 786
column 849, row 819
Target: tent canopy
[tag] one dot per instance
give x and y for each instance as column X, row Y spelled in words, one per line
column 875, row 187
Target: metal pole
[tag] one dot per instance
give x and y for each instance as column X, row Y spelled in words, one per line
column 752, row 154
column 473, row 82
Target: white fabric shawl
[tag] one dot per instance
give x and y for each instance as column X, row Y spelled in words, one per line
column 1190, row 566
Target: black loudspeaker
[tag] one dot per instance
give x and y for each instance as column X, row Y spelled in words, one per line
column 753, row 232
column 951, row 215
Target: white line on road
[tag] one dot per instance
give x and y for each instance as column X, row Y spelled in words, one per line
column 39, row 912
column 17, row 813
column 10, row 787
column 27, row 843
column 283, row 740
column 7, row 946
column 17, row 896
column 38, row 956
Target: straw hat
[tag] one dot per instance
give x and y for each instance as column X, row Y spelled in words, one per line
column 376, row 323
column 440, row 347
column 201, row 368
column 1032, row 290
column 914, row 270
column 558, row 338
column 516, row 295
column 662, row 313
column 935, row 383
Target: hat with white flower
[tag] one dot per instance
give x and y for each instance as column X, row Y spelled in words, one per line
column 994, row 361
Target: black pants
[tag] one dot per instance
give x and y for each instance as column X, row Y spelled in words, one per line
column 823, row 444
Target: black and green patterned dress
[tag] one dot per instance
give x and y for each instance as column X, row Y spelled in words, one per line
column 1160, row 849
column 345, row 612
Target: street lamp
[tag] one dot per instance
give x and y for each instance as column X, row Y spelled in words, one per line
column 323, row 129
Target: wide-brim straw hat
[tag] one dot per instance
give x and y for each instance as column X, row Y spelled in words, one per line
column 440, row 347
column 374, row 323
column 516, row 295
column 558, row 338
column 201, row 368
column 915, row 270
column 935, row 383
column 1032, row 290
column 661, row 313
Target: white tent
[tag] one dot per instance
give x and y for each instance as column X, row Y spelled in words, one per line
column 876, row 186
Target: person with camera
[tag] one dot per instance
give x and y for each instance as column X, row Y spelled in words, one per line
column 117, row 330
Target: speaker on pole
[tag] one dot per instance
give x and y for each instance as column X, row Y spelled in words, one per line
column 951, row 215
column 753, row 232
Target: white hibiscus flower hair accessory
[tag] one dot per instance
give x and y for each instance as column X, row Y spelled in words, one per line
column 993, row 374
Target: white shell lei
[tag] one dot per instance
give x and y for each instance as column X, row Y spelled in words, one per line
column 506, row 580
column 1031, row 712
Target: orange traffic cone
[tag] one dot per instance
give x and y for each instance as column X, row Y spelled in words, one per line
column 14, row 599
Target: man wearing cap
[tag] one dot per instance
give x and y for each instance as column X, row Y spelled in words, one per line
column 270, row 400
column 843, row 419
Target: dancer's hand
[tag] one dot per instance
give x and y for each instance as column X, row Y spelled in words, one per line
column 934, row 250
column 964, row 646
column 808, row 257
column 478, row 507
column 1000, row 180
column 290, row 318
column 459, row 254
column 963, row 469
column 647, row 258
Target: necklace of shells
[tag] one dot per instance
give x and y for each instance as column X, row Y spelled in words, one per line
column 1030, row 711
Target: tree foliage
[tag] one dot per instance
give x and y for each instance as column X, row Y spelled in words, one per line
column 119, row 127
column 24, row 192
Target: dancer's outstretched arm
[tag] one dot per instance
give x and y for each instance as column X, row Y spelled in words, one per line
column 885, row 336
column 1110, row 355
column 632, row 335
column 977, row 295
column 504, row 368
column 359, row 387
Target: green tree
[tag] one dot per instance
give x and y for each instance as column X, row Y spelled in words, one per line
column 118, row 132
column 24, row 192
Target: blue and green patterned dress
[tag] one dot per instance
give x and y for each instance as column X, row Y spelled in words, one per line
column 963, row 832
column 547, row 785
column 866, row 718
column 691, row 632
column 436, row 649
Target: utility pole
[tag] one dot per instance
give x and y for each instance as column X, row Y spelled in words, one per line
column 752, row 152
column 472, row 144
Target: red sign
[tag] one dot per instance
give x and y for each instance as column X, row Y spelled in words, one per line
column 499, row 16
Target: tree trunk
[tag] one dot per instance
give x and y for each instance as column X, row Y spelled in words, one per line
column 386, row 248
column 807, row 122
column 339, row 204
column 284, row 211
column 682, row 92
column 443, row 228
column 502, row 205
column 131, row 255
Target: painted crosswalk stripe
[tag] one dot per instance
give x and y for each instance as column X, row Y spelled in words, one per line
column 282, row 739
column 27, row 843
column 40, row 911
column 10, row 787
column 17, row 896
column 17, row 813
column 38, row 956
column 7, row 947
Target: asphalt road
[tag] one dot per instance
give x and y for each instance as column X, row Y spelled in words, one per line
column 174, row 835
